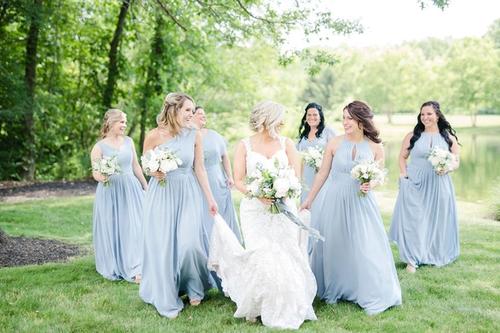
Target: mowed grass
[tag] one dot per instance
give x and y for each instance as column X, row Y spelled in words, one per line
column 71, row 296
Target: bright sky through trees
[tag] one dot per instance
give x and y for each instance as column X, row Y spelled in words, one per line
column 388, row 22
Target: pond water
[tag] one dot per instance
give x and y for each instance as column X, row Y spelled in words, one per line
column 479, row 167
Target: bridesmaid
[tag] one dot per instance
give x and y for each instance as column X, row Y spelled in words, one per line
column 355, row 261
column 175, row 261
column 117, row 221
column 220, row 176
column 312, row 133
column 424, row 224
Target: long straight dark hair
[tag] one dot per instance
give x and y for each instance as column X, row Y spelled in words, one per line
column 444, row 126
column 304, row 128
column 363, row 114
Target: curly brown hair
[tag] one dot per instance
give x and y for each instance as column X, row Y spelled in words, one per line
column 363, row 114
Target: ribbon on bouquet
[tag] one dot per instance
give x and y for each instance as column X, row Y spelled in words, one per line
column 285, row 210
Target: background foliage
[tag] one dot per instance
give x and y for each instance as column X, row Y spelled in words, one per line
column 63, row 63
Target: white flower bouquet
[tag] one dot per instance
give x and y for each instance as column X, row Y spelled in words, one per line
column 313, row 157
column 272, row 181
column 160, row 159
column 107, row 166
column 442, row 160
column 368, row 171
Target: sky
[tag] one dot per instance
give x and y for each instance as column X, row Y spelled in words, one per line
column 390, row 22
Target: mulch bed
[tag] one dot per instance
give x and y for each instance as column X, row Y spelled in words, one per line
column 24, row 191
column 18, row 251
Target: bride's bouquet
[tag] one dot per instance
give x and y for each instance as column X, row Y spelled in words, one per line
column 107, row 166
column 367, row 171
column 313, row 157
column 160, row 159
column 275, row 182
column 442, row 160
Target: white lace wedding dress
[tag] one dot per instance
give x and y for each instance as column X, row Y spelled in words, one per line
column 270, row 277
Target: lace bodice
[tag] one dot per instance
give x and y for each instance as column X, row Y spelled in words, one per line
column 255, row 158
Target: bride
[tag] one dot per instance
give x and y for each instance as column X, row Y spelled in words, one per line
column 270, row 277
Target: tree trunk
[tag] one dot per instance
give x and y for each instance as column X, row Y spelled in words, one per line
column 152, row 83
column 30, row 83
column 389, row 116
column 474, row 118
column 113, row 55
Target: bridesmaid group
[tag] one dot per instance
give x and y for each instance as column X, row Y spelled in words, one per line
column 158, row 235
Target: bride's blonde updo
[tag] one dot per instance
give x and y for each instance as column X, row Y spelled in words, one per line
column 268, row 116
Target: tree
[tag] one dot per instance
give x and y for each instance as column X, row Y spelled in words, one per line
column 113, row 54
column 473, row 83
column 34, row 19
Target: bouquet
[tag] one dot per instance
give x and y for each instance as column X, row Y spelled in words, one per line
column 313, row 157
column 367, row 171
column 107, row 166
column 272, row 181
column 276, row 182
column 160, row 159
column 442, row 160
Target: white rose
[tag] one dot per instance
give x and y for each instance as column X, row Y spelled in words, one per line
column 442, row 153
column 253, row 188
column 318, row 163
column 150, row 163
column 167, row 165
column 434, row 160
column 281, row 185
column 295, row 185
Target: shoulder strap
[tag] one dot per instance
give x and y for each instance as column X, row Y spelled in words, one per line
column 283, row 142
column 248, row 146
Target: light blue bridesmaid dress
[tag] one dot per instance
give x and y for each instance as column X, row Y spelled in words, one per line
column 214, row 147
column 308, row 172
column 175, row 261
column 355, row 261
column 424, row 223
column 117, row 220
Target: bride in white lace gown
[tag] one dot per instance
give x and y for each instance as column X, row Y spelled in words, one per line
column 270, row 277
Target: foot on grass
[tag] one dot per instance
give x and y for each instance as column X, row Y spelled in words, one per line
column 195, row 302
column 410, row 268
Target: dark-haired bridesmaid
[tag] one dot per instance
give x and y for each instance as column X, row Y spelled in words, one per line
column 312, row 133
column 425, row 224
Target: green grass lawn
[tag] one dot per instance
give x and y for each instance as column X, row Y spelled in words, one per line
column 71, row 296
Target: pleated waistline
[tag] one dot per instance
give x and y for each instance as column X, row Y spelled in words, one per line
column 212, row 166
column 341, row 176
column 180, row 172
column 420, row 163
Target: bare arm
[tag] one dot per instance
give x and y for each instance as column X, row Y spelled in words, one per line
column 137, row 168
column 403, row 154
column 455, row 149
column 323, row 172
column 240, row 171
column 95, row 155
column 293, row 157
column 227, row 168
column 201, row 173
